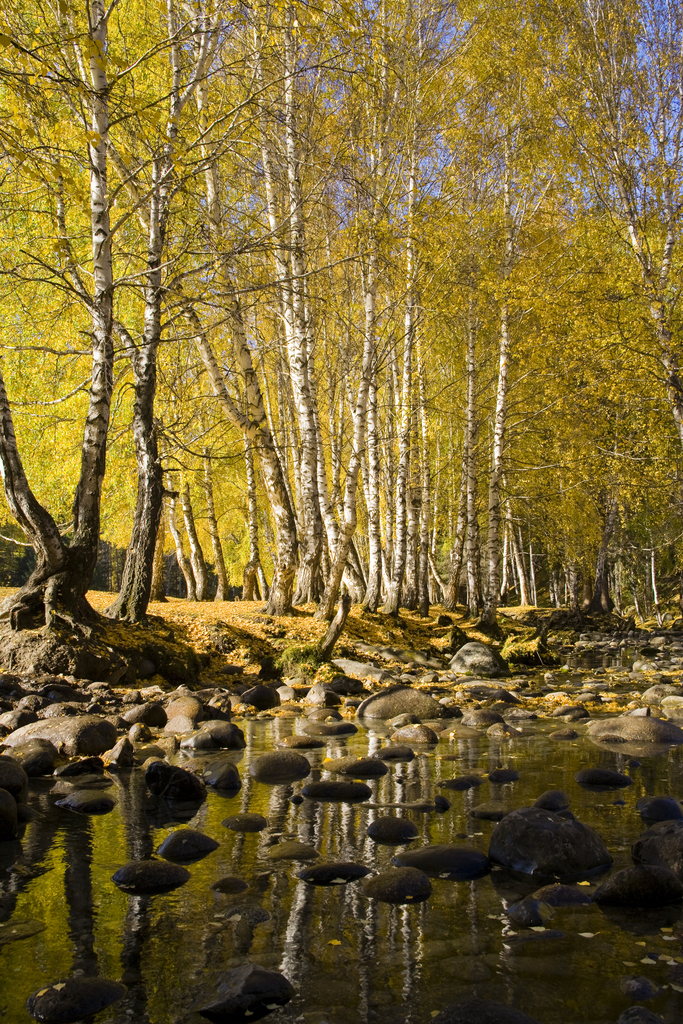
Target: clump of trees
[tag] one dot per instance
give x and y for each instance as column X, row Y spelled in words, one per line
column 377, row 298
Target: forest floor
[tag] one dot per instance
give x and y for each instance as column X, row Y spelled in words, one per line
column 194, row 642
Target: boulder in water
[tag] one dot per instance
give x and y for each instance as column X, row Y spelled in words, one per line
column 400, row 885
column 643, row 885
column 72, row 999
column 400, row 700
column 456, row 863
column 247, row 994
column 543, row 844
column 149, row 877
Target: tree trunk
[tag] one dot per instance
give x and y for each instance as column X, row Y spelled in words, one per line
column 492, row 595
column 425, row 509
column 374, row 588
column 250, row 581
column 398, row 565
column 601, row 600
column 336, row 626
column 254, row 424
column 471, row 432
column 519, row 564
column 157, row 591
column 201, row 576
column 218, row 559
column 413, row 496
column 136, row 585
column 59, row 583
column 457, row 548
column 183, row 561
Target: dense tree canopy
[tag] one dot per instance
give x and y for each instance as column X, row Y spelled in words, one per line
column 376, row 296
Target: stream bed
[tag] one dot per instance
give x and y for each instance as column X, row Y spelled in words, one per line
column 350, row 959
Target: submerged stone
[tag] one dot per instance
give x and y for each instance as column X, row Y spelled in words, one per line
column 67, row 1001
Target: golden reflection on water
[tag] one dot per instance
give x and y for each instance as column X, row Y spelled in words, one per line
column 386, row 964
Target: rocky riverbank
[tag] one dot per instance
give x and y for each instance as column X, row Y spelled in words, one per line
column 402, row 736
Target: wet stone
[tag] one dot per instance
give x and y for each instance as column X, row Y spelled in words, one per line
column 149, row 877
column 529, row 913
column 186, row 845
column 638, row 988
column 400, row 885
column 500, row 775
column 263, row 698
column 85, row 801
column 330, row 728
column 643, row 885
column 541, row 843
column 395, row 752
column 245, row 823
column 492, row 810
column 481, row 1011
column 639, row 1015
column 559, row 895
column 392, row 831
column 230, row 885
column 150, row 714
column 414, row 734
column 13, row 778
column 462, row 782
column 223, row 776
column 344, row 792
column 338, row 873
column 301, row 743
column 602, row 777
column 292, row 850
column 552, row 800
column 214, row 735
column 480, row 718
column 83, row 766
column 564, row 734
column 456, row 863
column 74, row 998
column 8, row 816
column 659, row 808
column 246, row 994
column 37, row 758
column 357, row 768
column 280, row 767
column 173, row 783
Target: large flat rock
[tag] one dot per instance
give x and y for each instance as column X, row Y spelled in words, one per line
column 82, row 735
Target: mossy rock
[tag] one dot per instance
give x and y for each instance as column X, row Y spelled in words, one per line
column 528, row 649
column 301, row 660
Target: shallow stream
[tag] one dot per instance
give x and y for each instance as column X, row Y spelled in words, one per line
column 350, row 959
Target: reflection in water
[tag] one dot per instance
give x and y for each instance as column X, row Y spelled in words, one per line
column 351, row 960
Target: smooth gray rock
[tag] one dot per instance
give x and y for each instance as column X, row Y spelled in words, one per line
column 628, row 729
column 263, row 698
column 245, row 822
column 280, row 766
column 86, row 734
column 478, row 659
column 215, row 736
column 151, row 714
column 401, row 700
column 357, row 768
column 360, row 668
column 337, row 792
